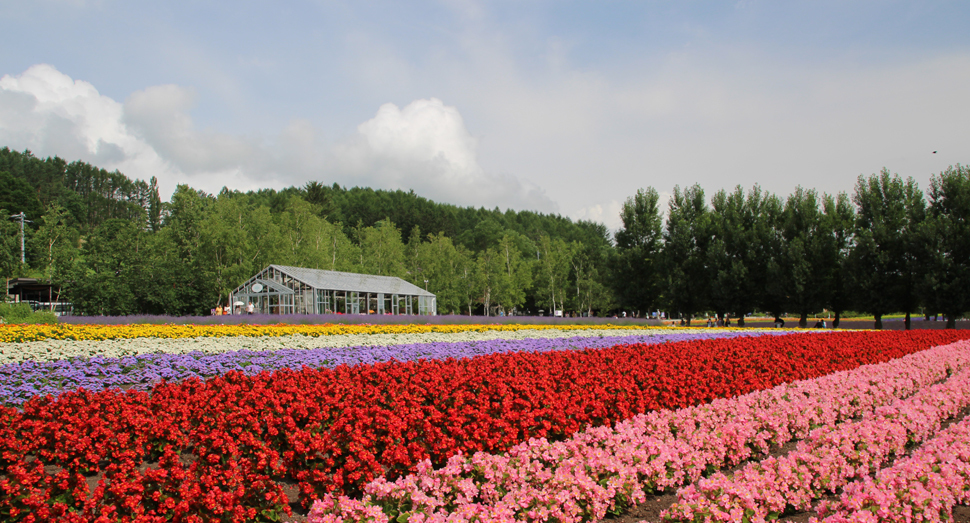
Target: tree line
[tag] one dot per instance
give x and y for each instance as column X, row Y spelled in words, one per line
column 888, row 249
column 113, row 247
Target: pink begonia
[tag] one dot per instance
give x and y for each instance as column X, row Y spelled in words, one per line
column 605, row 468
column 828, row 459
column 921, row 487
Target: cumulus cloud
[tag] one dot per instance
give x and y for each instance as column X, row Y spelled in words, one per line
column 48, row 112
column 607, row 213
column 425, row 146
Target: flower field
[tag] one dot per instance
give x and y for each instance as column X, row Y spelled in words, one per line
column 476, row 422
column 65, row 331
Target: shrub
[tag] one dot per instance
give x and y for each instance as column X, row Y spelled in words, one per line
column 21, row 313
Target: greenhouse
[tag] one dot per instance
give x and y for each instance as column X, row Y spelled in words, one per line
column 279, row 289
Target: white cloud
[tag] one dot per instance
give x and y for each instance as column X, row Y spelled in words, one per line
column 425, row 146
column 717, row 117
column 160, row 115
column 51, row 114
column 606, row 213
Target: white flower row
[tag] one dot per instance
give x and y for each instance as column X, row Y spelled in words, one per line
column 51, row 350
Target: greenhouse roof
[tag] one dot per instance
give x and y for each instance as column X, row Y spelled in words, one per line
column 349, row 281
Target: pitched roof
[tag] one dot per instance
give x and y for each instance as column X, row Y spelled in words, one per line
column 349, row 281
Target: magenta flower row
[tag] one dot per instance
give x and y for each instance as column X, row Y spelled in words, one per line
column 605, row 470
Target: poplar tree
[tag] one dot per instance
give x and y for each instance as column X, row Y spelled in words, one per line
column 885, row 260
column 637, row 278
column 946, row 280
column 686, row 241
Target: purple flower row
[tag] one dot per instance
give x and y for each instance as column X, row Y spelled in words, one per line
column 21, row 381
column 353, row 319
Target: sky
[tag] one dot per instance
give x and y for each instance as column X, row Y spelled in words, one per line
column 563, row 107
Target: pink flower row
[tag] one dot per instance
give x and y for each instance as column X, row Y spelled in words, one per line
column 922, row 487
column 829, row 458
column 606, row 470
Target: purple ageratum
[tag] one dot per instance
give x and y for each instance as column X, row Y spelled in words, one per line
column 349, row 319
column 21, row 381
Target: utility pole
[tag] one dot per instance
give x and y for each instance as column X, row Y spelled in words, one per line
column 23, row 218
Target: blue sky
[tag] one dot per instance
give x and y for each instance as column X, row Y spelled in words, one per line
column 556, row 106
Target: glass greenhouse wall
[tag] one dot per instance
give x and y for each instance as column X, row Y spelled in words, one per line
column 280, row 289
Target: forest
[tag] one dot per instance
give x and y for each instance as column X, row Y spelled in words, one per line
column 114, row 247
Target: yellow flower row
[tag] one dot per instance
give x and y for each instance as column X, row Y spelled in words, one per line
column 23, row 333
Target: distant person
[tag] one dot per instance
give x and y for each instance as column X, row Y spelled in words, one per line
column 727, row 320
column 819, row 324
column 250, row 308
column 779, row 323
column 218, row 310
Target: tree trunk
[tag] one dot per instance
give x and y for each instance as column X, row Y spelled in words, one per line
column 838, row 318
column 951, row 321
column 741, row 320
column 878, row 321
column 803, row 320
column 908, row 322
column 688, row 319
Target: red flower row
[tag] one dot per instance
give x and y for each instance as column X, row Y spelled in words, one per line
column 220, row 450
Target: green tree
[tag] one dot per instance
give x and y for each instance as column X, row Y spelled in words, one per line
column 490, row 272
column 225, row 246
column 947, row 277
column 553, row 264
column 9, row 245
column 335, row 250
column 839, row 218
column 55, row 244
column 414, row 262
column 636, row 269
column 153, row 206
column 591, row 293
column 686, row 241
column 516, row 277
column 16, row 195
column 739, row 232
column 776, row 293
column 382, row 251
column 884, row 264
column 441, row 265
column 469, row 282
column 322, row 197
column 299, row 226
column 107, row 280
column 265, row 239
column 183, row 240
column 808, row 248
